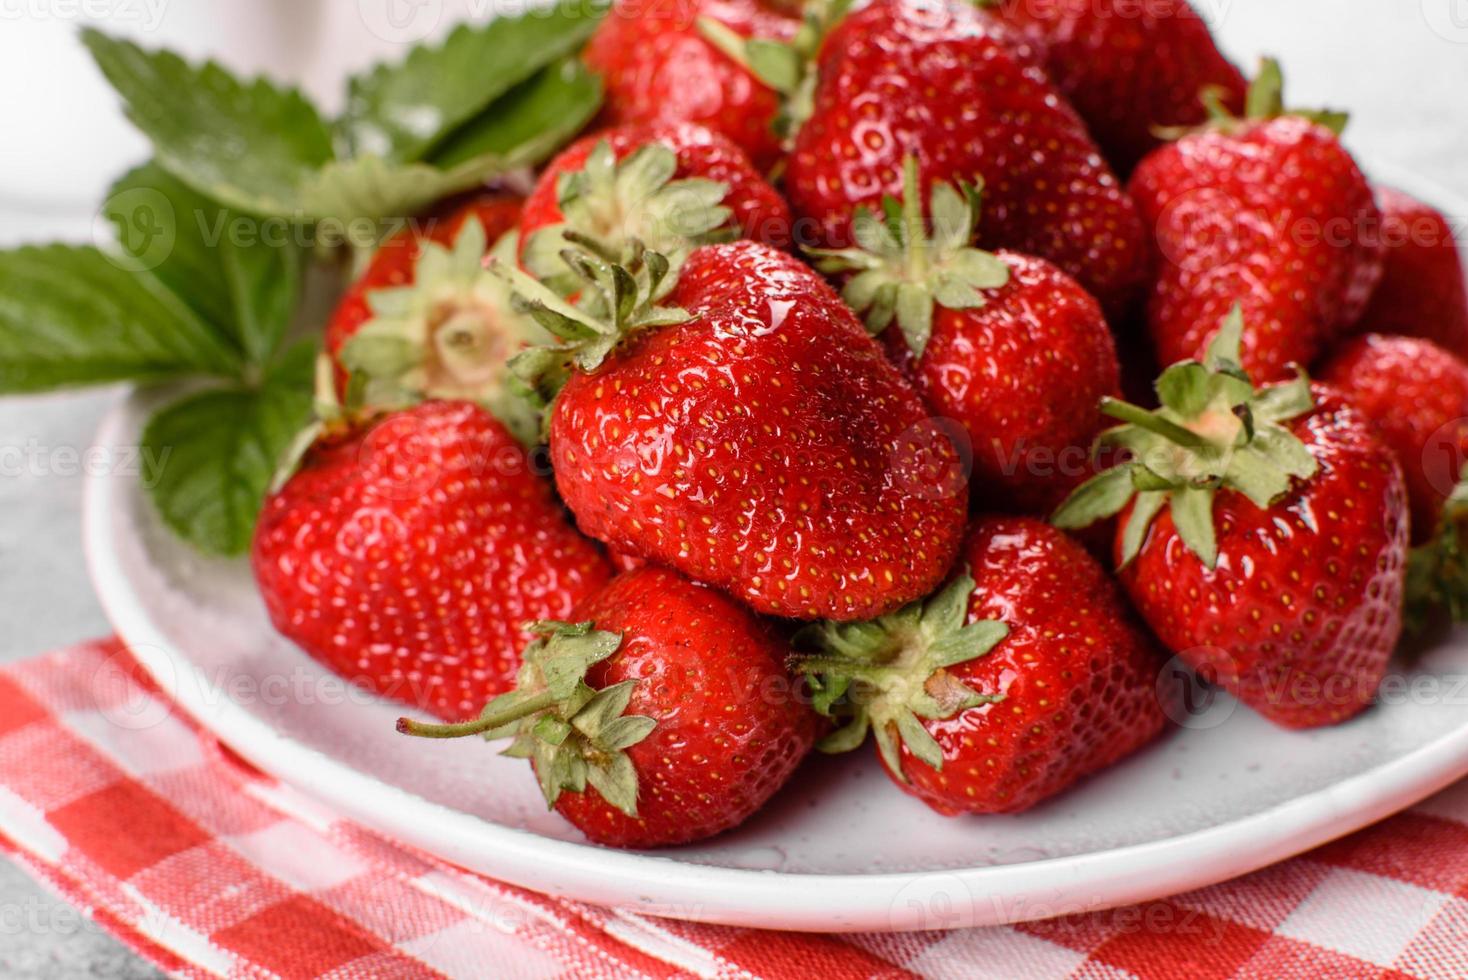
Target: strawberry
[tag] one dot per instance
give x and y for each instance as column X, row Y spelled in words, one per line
column 428, row 321
column 1422, row 293
column 1416, row 394
column 666, row 186
column 1026, row 673
column 665, row 716
column 1264, row 537
column 1269, row 212
column 1128, row 68
column 1005, row 344
column 424, row 320
column 756, row 438
column 665, row 61
column 943, row 82
column 407, row 555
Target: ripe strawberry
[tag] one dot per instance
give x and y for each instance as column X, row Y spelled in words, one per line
column 1128, row 68
column 1422, row 292
column 407, row 555
column 944, row 82
column 756, row 439
column 665, row 717
column 1026, row 673
column 1269, row 212
column 1266, row 537
column 1416, row 394
column 658, row 62
column 1007, row 345
column 424, row 320
column 667, row 186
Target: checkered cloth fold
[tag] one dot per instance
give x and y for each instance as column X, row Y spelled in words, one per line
column 209, row 868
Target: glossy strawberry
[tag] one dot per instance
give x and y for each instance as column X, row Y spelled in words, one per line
column 1416, row 394
column 1422, row 292
column 667, row 186
column 1005, row 344
column 665, row 716
column 944, row 82
column 1128, row 68
column 658, row 63
column 409, row 554
column 1270, row 213
column 755, row 437
column 1025, row 674
column 1264, row 537
column 446, row 338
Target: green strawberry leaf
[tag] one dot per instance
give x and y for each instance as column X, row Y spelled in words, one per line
column 530, row 122
column 402, row 111
column 235, row 271
column 70, row 315
column 523, row 128
column 219, row 450
column 249, row 145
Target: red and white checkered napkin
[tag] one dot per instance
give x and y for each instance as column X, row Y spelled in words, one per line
column 208, row 867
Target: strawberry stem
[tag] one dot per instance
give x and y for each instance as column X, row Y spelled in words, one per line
column 478, row 726
column 915, row 235
column 1171, row 431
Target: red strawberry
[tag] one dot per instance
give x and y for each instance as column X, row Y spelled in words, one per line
column 943, row 82
column 448, row 337
column 665, row 717
column 1266, row 544
column 1422, row 293
column 1268, row 212
column 1025, row 674
column 667, row 186
column 657, row 64
column 408, row 555
column 1416, row 394
column 1128, row 68
column 756, row 439
column 1007, row 345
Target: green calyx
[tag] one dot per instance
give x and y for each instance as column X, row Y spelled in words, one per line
column 1437, row 570
column 1264, row 100
column 449, row 334
column 901, row 268
column 1214, row 430
column 615, row 302
column 787, row 67
column 616, row 207
column 889, row 674
column 574, row 734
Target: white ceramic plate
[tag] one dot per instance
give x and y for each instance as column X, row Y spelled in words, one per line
column 840, row 849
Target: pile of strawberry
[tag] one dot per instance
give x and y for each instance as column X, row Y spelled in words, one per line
column 761, row 422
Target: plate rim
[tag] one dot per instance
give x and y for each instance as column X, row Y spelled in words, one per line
column 661, row 885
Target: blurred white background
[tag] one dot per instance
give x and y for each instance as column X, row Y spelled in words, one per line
column 1399, row 66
